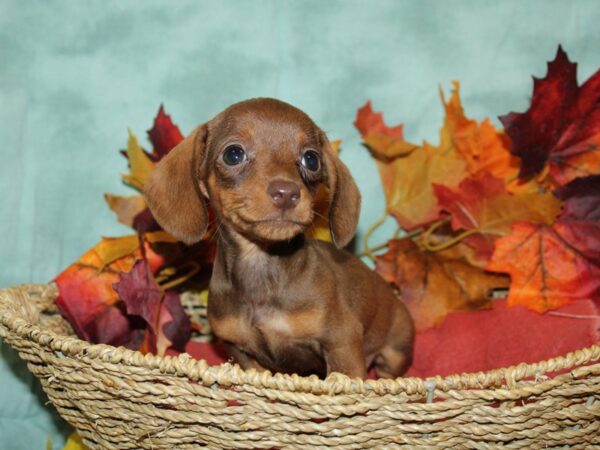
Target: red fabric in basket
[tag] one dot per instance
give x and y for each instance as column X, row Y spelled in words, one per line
column 483, row 340
column 489, row 339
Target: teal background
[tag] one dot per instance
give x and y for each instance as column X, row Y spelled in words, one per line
column 75, row 75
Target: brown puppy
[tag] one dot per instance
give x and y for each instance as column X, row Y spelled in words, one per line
column 280, row 301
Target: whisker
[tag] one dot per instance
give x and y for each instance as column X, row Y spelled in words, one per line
column 318, row 214
column 217, row 233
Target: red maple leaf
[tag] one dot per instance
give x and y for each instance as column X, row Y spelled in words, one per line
column 561, row 127
column 582, row 200
column 581, row 214
column 167, row 324
column 164, row 134
column 465, row 201
column 368, row 121
column 87, row 298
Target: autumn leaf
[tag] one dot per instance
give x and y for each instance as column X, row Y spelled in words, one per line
column 484, row 148
column 140, row 164
column 467, row 200
column 145, row 222
column 582, row 200
column 408, row 183
column 111, row 250
column 167, row 324
column 552, row 265
column 384, row 141
column 164, row 134
column 561, row 128
column 407, row 176
column 546, row 265
column 86, row 296
column 482, row 206
column 75, row 443
column 126, row 208
column 435, row 283
column 368, row 121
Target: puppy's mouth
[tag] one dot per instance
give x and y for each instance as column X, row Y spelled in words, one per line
column 272, row 229
column 278, row 222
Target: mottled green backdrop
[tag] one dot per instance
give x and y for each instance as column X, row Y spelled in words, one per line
column 75, row 75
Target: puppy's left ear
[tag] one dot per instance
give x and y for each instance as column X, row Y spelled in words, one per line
column 344, row 197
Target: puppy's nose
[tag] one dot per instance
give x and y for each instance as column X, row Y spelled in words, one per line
column 285, row 194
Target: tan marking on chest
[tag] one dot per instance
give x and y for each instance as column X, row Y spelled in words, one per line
column 232, row 329
column 275, row 325
column 304, row 324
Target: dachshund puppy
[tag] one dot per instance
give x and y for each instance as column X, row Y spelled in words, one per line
column 278, row 300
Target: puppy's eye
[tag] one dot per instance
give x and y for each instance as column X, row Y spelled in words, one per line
column 310, row 160
column 234, row 155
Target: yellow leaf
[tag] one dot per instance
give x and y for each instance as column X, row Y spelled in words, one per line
column 407, row 183
column 110, row 250
column 140, row 165
column 75, row 443
column 500, row 213
column 126, row 208
column 204, row 297
column 336, row 146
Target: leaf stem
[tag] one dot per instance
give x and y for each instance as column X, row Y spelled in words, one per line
column 195, row 268
column 446, row 244
column 430, row 246
column 396, row 235
column 368, row 251
column 426, row 238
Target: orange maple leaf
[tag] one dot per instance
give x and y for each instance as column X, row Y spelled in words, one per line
column 435, row 283
column 482, row 146
column 551, row 265
column 546, row 265
column 408, row 172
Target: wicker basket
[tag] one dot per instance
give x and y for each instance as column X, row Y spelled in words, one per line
column 121, row 399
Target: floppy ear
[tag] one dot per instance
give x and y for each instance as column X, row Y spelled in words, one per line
column 173, row 193
column 344, row 197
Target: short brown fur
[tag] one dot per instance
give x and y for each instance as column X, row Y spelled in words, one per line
column 278, row 300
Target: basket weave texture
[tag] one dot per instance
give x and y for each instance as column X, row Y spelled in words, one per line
column 121, row 399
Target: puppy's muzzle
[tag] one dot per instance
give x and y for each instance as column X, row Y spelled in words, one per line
column 285, row 194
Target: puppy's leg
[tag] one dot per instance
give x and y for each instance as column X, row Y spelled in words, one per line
column 346, row 358
column 242, row 358
column 396, row 355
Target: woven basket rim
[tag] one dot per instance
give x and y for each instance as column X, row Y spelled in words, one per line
column 227, row 374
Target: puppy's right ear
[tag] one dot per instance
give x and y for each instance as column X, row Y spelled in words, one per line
column 173, row 193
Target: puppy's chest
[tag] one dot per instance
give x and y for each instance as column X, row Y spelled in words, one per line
column 270, row 332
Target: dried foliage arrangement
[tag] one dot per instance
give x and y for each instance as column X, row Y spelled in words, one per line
column 484, row 211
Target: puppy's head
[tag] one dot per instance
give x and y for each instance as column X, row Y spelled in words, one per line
column 259, row 163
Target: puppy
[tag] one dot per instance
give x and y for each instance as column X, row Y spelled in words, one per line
column 278, row 300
